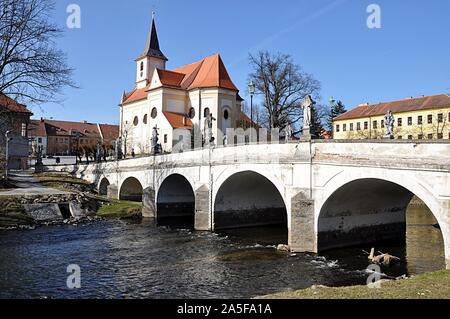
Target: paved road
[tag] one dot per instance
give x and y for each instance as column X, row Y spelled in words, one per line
column 28, row 185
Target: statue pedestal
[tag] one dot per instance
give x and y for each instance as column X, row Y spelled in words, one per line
column 306, row 136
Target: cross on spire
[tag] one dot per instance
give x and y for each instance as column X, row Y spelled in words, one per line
column 152, row 46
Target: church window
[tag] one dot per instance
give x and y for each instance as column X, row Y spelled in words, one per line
column 136, row 121
column 226, row 114
column 154, row 113
column 206, row 112
column 191, row 113
column 165, row 139
column 145, row 119
column 142, row 69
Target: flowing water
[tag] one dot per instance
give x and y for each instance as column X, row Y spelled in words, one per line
column 123, row 259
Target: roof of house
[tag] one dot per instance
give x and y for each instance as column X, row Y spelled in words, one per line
column 206, row 73
column 246, row 119
column 407, row 105
column 37, row 128
column 178, row 120
column 12, row 105
column 65, row 128
column 109, row 132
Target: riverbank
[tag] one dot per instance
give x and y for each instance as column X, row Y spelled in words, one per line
column 434, row 285
column 59, row 189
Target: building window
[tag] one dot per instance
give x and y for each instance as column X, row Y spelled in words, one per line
column 440, row 136
column 430, row 119
column 39, row 139
column 358, row 126
column 136, row 121
column 410, row 137
column 344, row 127
column 400, row 137
column 400, row 122
column 410, row 121
column 24, row 130
column 440, row 118
column 375, row 125
column 351, row 127
column 206, row 112
column 420, row 120
column 430, row 136
column 420, row 137
column 145, row 119
column 366, row 125
column 165, row 138
column 154, row 113
column 191, row 113
column 226, row 114
column 338, row 128
column 382, row 123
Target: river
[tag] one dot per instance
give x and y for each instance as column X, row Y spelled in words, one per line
column 125, row 259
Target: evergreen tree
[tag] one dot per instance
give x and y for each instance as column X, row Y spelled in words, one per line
column 336, row 109
column 316, row 122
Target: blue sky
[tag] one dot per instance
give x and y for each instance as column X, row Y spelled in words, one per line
column 408, row 56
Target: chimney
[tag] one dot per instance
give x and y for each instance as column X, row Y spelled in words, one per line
column 42, row 119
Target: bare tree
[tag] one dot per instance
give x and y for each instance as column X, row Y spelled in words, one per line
column 32, row 69
column 283, row 86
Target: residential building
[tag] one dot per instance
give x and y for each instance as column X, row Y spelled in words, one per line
column 15, row 118
column 175, row 101
column 64, row 137
column 426, row 117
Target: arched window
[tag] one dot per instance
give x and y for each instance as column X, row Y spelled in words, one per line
column 206, row 112
column 145, row 119
column 154, row 113
column 136, row 121
column 191, row 113
column 226, row 114
column 142, row 66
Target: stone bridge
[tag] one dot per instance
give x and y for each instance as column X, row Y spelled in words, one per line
column 329, row 193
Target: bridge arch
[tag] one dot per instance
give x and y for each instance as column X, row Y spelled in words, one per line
column 131, row 189
column 176, row 202
column 248, row 199
column 103, row 186
column 362, row 208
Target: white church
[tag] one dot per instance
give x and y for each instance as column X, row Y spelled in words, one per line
column 176, row 100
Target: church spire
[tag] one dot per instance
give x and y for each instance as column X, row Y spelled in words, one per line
column 152, row 46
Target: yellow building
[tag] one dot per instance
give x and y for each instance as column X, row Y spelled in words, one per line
column 426, row 117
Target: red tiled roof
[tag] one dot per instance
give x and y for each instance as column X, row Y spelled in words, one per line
column 206, row 73
column 170, row 78
column 135, row 95
column 246, row 119
column 209, row 72
column 12, row 105
column 413, row 104
column 178, row 120
column 109, row 132
column 37, row 128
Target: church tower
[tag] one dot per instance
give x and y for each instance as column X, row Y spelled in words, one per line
column 151, row 58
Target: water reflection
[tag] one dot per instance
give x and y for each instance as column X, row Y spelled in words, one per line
column 121, row 259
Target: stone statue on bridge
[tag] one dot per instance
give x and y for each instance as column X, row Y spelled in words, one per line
column 307, row 118
column 208, row 133
column 389, row 121
column 155, row 140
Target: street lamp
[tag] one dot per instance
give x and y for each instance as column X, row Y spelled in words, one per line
column 7, row 153
column 77, row 135
column 251, row 90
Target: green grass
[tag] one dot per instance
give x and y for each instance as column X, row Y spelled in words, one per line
column 63, row 181
column 12, row 213
column 427, row 286
column 120, row 209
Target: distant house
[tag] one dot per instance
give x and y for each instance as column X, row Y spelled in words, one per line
column 64, row 137
column 14, row 117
